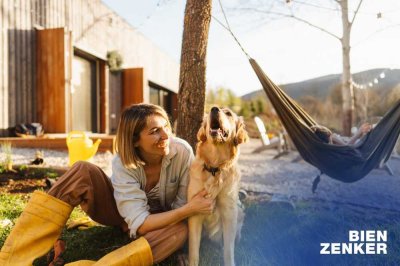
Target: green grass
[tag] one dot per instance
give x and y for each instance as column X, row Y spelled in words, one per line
column 273, row 234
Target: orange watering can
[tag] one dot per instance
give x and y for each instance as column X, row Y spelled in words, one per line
column 80, row 147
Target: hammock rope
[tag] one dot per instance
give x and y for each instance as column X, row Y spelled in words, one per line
column 228, row 28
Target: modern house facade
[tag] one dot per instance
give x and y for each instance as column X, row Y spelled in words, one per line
column 54, row 68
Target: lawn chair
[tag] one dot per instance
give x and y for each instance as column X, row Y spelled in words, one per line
column 268, row 144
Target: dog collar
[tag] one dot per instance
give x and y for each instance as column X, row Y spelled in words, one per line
column 212, row 170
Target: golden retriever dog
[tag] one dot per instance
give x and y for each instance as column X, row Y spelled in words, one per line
column 215, row 169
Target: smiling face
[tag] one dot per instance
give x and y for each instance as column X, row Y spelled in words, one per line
column 154, row 139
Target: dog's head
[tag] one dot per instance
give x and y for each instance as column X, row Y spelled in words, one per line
column 222, row 125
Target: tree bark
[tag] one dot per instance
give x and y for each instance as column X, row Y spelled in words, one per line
column 347, row 82
column 192, row 80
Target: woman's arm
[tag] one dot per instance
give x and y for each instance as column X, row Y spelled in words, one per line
column 337, row 140
column 364, row 129
column 186, row 159
column 197, row 205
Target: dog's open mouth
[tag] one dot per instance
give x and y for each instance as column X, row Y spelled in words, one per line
column 216, row 130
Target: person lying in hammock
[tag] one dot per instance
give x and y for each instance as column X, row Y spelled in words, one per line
column 324, row 134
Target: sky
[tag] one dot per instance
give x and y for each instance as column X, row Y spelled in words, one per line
column 287, row 50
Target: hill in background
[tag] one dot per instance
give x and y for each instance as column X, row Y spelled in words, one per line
column 321, row 87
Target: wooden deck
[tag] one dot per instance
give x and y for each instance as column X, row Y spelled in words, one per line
column 58, row 142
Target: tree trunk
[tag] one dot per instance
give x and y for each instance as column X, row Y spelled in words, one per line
column 192, row 80
column 347, row 87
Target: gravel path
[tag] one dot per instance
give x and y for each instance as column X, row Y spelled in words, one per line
column 260, row 172
column 54, row 158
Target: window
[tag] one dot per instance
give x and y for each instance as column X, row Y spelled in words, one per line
column 160, row 97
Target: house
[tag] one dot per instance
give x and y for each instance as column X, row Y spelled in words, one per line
column 54, row 67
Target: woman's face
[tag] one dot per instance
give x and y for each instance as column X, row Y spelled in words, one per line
column 154, row 138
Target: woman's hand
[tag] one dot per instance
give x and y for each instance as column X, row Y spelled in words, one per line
column 201, row 204
column 364, row 129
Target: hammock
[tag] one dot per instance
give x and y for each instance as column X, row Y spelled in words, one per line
column 345, row 163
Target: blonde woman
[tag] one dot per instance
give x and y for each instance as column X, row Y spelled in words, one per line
column 146, row 196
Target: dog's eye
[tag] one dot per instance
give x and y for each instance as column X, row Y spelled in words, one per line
column 228, row 113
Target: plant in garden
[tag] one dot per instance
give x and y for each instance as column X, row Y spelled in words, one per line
column 51, row 175
column 7, row 150
column 23, row 167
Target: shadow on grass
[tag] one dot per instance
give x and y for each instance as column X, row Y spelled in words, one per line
column 272, row 234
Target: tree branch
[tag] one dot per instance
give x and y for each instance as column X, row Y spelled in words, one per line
column 314, row 6
column 292, row 16
column 356, row 12
column 315, row 26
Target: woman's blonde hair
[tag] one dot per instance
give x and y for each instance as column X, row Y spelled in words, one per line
column 132, row 122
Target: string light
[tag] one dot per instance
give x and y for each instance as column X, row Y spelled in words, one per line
column 373, row 81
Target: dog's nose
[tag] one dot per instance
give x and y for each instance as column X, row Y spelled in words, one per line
column 214, row 110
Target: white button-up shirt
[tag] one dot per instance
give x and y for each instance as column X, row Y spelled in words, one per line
column 129, row 184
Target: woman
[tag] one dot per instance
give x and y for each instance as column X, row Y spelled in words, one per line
column 327, row 136
column 145, row 196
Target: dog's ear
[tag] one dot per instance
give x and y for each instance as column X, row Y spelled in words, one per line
column 241, row 133
column 201, row 134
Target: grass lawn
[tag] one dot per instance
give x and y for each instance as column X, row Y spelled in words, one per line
column 273, row 234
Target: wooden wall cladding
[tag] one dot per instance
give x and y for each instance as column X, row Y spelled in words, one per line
column 96, row 29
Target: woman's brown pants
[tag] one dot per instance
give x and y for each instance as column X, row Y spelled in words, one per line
column 87, row 185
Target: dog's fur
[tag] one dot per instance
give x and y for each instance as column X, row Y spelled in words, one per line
column 219, row 138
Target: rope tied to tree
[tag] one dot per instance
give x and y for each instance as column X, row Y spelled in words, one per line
column 228, row 28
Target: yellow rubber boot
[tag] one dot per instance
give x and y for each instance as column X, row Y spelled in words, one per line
column 36, row 230
column 137, row 253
